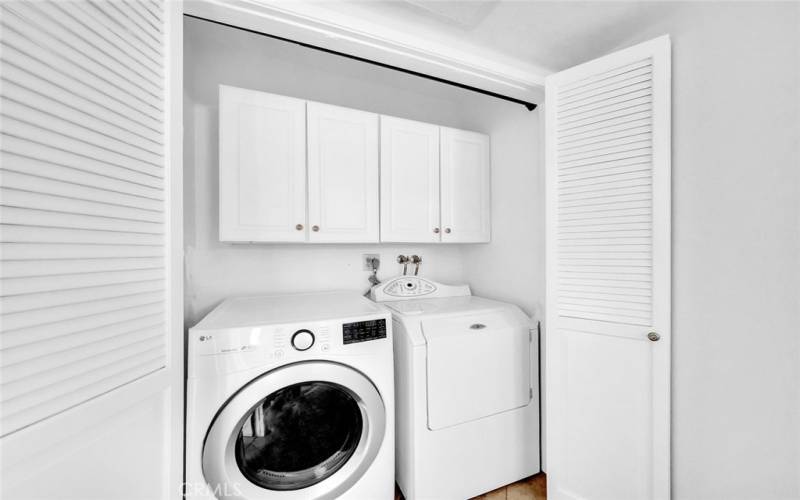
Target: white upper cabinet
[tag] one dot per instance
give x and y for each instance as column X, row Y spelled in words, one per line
column 298, row 171
column 262, row 172
column 342, row 174
column 465, row 186
column 409, row 181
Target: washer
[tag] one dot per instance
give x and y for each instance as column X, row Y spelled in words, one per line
column 291, row 397
column 466, row 382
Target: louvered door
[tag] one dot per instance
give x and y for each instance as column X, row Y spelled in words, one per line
column 608, row 276
column 84, row 234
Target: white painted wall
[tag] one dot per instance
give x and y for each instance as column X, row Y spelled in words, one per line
column 736, row 249
column 217, row 55
column 511, row 266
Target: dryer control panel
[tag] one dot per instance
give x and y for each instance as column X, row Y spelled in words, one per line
column 414, row 287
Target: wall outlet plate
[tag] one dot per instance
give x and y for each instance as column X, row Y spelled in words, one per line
column 367, row 258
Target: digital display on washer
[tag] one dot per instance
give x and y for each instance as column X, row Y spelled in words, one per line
column 363, row 331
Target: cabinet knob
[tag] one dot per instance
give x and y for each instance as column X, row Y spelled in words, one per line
column 299, row 227
column 315, row 228
column 447, row 230
column 436, row 230
column 653, row 337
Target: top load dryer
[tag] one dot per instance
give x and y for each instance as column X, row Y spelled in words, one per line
column 466, row 389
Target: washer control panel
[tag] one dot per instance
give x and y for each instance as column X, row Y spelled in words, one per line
column 410, row 286
column 363, row 331
column 279, row 342
column 233, row 350
column 302, row 340
column 413, row 287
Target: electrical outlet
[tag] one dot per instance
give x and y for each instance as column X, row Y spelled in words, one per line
column 366, row 259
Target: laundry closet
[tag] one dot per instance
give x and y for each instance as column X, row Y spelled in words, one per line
column 308, row 172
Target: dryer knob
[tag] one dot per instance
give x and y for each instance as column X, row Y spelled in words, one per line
column 302, row 340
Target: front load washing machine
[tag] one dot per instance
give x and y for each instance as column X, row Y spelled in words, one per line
column 291, row 397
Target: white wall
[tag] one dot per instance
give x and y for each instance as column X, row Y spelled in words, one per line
column 218, row 55
column 736, row 249
column 511, row 267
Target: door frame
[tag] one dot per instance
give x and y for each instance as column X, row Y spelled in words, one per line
column 173, row 129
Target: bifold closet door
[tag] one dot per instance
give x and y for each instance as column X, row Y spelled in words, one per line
column 409, row 181
column 342, row 175
column 91, row 342
column 262, row 166
column 608, row 277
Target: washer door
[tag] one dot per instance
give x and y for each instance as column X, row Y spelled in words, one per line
column 305, row 430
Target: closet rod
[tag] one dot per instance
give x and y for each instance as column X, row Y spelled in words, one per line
column 529, row 105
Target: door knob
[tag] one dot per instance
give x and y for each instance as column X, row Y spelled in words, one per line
column 315, row 228
column 299, row 227
column 653, row 337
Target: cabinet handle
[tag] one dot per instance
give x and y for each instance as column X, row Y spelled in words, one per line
column 447, row 230
column 436, row 230
column 299, row 227
column 315, row 228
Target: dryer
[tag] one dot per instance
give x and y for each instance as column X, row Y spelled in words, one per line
column 291, row 397
column 466, row 389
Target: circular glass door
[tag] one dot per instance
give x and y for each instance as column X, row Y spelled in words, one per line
column 305, row 430
column 299, row 435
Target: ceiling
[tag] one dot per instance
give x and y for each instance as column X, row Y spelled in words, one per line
column 551, row 35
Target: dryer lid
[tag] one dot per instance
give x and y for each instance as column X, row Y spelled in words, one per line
column 444, row 306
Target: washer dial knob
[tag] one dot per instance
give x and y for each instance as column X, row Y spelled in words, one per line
column 302, row 340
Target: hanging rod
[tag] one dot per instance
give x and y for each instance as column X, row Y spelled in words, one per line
column 529, row 105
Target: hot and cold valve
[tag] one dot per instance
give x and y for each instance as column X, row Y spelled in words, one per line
column 403, row 259
column 414, row 259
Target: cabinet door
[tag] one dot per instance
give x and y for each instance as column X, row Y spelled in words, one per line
column 262, row 175
column 342, row 174
column 409, row 181
column 465, row 189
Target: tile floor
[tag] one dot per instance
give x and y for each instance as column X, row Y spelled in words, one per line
column 530, row 488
